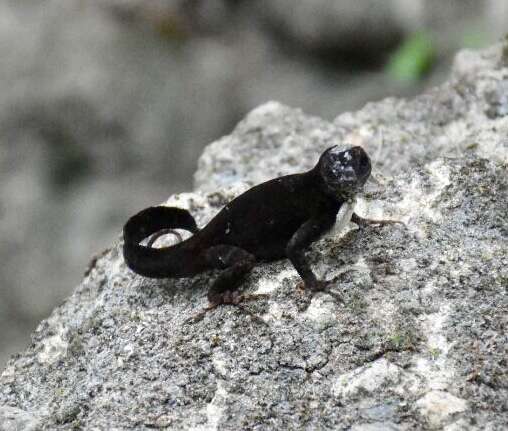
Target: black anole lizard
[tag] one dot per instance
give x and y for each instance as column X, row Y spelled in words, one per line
column 276, row 219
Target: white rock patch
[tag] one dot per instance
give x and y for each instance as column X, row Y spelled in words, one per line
column 438, row 407
column 215, row 409
column 12, row 418
column 219, row 364
column 433, row 365
column 320, row 311
column 269, row 285
column 367, row 378
column 417, row 203
column 54, row 347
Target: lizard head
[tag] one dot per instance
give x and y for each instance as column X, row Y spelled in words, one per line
column 344, row 172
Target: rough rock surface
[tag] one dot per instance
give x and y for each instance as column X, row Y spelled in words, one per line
column 100, row 94
column 417, row 341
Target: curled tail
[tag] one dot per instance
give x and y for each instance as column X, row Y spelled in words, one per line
column 179, row 260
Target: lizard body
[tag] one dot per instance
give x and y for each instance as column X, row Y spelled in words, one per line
column 276, row 219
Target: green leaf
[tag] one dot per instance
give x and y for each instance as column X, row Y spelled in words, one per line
column 412, row 60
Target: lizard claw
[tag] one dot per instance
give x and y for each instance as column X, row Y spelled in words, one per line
column 320, row 286
column 315, row 286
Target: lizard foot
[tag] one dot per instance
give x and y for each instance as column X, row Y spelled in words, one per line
column 320, row 286
column 317, row 286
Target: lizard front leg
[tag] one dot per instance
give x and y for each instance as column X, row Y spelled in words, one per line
column 308, row 232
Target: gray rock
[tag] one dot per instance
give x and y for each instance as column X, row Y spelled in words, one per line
column 419, row 340
column 376, row 426
column 98, row 118
column 13, row 419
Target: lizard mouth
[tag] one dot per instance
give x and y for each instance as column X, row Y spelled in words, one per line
column 344, row 172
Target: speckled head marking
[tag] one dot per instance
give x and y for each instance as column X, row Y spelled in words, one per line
column 344, row 172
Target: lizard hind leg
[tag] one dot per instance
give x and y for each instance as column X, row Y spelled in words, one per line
column 235, row 263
